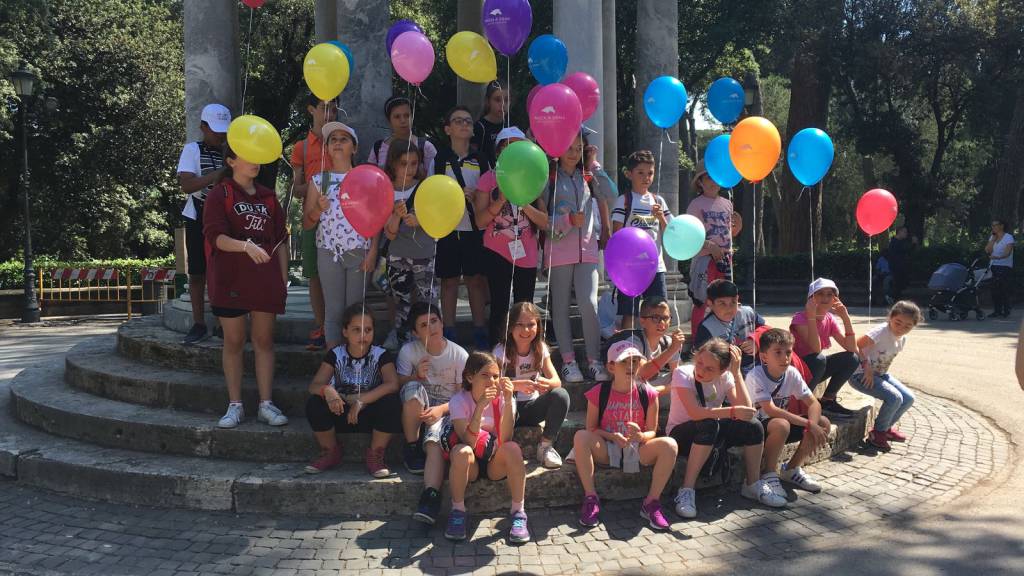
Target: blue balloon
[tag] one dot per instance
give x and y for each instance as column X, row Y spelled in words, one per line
column 719, row 164
column 665, row 101
column 548, row 58
column 810, row 155
column 348, row 54
column 725, row 100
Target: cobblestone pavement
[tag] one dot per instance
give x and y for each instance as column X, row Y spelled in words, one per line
column 951, row 450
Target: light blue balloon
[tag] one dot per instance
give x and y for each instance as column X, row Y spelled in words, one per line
column 810, row 155
column 665, row 101
column 547, row 58
column 348, row 54
column 725, row 100
column 684, row 237
column 719, row 164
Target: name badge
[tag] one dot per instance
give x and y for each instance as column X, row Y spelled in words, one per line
column 516, row 249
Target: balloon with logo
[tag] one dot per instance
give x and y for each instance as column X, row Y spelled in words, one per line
column 631, row 259
column 366, row 198
column 876, row 211
column 810, row 155
column 684, row 237
column 555, row 118
column 253, row 3
column 348, row 54
column 719, row 164
column 587, row 91
column 471, row 57
column 725, row 100
column 507, row 24
column 401, row 27
column 326, row 71
column 522, row 172
column 439, row 204
column 412, row 56
column 665, row 101
column 547, row 58
column 754, row 148
column 254, row 139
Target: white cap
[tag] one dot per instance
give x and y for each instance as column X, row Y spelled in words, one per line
column 217, row 117
column 821, row 284
column 510, row 132
column 332, row 126
column 623, row 350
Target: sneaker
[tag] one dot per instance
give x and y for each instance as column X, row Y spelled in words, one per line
column 233, row 417
column 429, row 506
column 598, row 372
column 571, row 373
column 773, row 482
column 391, row 342
column 589, row 511
column 797, row 478
column 894, row 435
column 760, row 492
column 414, row 458
column 548, row 456
column 270, row 414
column 686, row 503
column 879, row 440
column 316, row 341
column 376, row 464
column 835, row 409
column 325, row 462
column 652, row 512
column 456, row 528
column 195, row 335
column 518, row 533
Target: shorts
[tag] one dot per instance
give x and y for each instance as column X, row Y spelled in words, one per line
column 460, row 254
column 221, row 312
column 483, row 452
column 195, row 244
column 309, row 269
column 796, row 433
column 384, row 415
column 710, row 431
column 630, row 305
column 432, row 433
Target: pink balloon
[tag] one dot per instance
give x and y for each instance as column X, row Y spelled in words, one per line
column 412, row 55
column 529, row 97
column 366, row 198
column 631, row 259
column 876, row 211
column 487, row 182
column 253, row 3
column 586, row 90
column 555, row 118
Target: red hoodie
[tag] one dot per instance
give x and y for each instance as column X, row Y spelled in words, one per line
column 233, row 279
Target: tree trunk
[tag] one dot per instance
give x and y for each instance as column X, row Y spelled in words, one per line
column 1010, row 174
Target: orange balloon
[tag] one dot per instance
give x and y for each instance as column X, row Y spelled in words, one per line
column 754, row 148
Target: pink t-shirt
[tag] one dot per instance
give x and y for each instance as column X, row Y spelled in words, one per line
column 827, row 328
column 462, row 405
column 617, row 411
column 716, row 214
column 502, row 233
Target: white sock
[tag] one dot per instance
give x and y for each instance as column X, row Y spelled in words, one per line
column 460, row 506
column 516, row 507
column 266, row 403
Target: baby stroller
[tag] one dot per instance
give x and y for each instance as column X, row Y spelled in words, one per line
column 955, row 290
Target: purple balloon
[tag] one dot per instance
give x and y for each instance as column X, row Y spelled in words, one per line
column 507, row 24
column 400, row 27
column 631, row 259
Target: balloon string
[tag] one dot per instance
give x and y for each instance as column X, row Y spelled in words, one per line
column 248, row 43
column 547, row 248
column 753, row 229
column 287, row 200
column 657, row 185
column 732, row 197
column 430, row 289
column 810, row 220
column 511, row 298
column 362, row 314
column 870, row 279
column 508, row 97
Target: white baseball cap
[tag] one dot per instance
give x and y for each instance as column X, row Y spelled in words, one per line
column 217, row 117
column 623, row 350
column 510, row 132
column 332, row 126
column 821, row 284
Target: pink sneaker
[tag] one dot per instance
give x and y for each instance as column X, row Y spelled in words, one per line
column 879, row 440
column 652, row 512
column 589, row 511
column 894, row 435
column 325, row 462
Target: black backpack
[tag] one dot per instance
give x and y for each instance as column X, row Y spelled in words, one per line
column 447, row 157
column 718, row 463
column 606, row 392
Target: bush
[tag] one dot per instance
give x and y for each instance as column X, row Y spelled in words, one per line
column 12, row 271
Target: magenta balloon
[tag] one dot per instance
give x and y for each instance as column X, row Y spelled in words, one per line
column 412, row 55
column 631, row 259
column 876, row 211
column 555, row 118
column 586, row 90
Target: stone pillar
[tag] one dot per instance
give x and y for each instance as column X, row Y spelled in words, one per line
column 610, row 90
column 212, row 63
column 363, row 25
column 578, row 24
column 325, row 18
column 471, row 94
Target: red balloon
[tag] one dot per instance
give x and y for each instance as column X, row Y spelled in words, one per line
column 586, row 90
column 367, row 198
column 253, row 3
column 876, row 211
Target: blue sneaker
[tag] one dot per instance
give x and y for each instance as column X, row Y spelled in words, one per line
column 456, row 528
column 414, row 458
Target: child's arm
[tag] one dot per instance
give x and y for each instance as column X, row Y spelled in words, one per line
column 538, row 216
column 652, row 419
column 508, row 416
column 606, row 225
column 321, row 386
column 484, row 210
column 394, row 221
column 548, row 377
column 865, row 344
column 808, row 332
column 698, row 412
column 313, row 205
column 741, row 396
column 773, row 411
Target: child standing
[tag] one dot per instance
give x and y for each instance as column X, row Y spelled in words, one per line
column 398, row 111
column 642, row 209
column 879, row 348
column 729, row 321
column 539, row 393
column 482, row 420
column 355, row 390
column 491, row 122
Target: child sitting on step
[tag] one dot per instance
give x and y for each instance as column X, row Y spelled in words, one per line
column 728, row 320
column 355, row 390
column 659, row 346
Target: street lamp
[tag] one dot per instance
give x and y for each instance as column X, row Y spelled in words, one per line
column 23, row 81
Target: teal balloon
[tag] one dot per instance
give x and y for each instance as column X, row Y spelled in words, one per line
column 810, row 155
column 725, row 100
column 665, row 101
column 684, row 237
column 348, row 54
column 522, row 172
column 719, row 164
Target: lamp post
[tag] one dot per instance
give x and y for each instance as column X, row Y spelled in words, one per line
column 22, row 79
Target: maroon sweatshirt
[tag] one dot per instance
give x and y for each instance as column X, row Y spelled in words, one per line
column 233, row 279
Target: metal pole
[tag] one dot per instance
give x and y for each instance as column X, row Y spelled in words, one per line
column 31, row 312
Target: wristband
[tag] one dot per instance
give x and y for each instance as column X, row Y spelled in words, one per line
column 732, row 412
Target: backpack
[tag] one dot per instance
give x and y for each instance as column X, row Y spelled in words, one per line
column 606, row 392
column 718, row 463
column 445, row 157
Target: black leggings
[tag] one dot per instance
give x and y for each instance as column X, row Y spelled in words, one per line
column 708, row 432
column 384, row 415
column 839, row 367
column 499, row 277
column 1002, row 289
column 550, row 408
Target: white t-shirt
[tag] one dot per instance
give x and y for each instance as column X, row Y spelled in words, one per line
column 335, row 232
column 1005, row 243
column 444, row 377
column 762, row 385
column 523, row 368
column 642, row 216
column 715, row 393
column 462, row 405
column 886, row 347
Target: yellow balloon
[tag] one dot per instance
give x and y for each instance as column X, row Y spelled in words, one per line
column 254, row 139
column 326, row 71
column 471, row 57
column 439, row 205
column 754, row 148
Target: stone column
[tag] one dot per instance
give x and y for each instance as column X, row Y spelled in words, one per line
column 578, row 24
column 610, row 89
column 471, row 94
column 363, row 25
column 325, row 18
column 212, row 63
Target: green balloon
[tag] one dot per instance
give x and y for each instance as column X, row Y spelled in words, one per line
column 522, row 172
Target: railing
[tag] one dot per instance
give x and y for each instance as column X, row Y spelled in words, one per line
column 82, row 285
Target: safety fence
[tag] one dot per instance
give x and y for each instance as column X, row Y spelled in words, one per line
column 133, row 288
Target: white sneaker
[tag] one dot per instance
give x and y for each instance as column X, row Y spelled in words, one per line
column 548, row 456
column 772, row 480
column 759, row 491
column 271, row 414
column 233, row 417
column 686, row 503
column 797, row 478
column 598, row 372
column 571, row 372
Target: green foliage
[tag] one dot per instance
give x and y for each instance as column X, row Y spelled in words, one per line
column 12, row 271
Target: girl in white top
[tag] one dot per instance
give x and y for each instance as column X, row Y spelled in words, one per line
column 1000, row 251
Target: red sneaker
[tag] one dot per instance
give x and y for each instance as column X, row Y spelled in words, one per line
column 326, row 461
column 375, row 463
column 879, row 440
column 894, row 435
column 316, row 341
